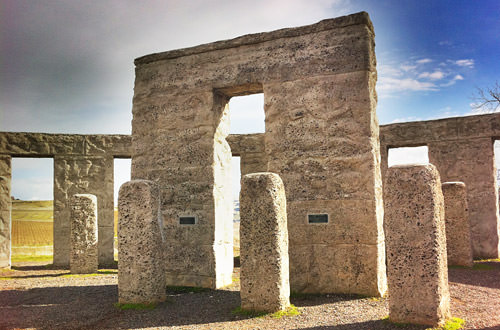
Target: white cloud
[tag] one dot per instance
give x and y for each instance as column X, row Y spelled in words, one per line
column 436, row 75
column 424, row 61
column 468, row 63
column 458, row 77
column 405, row 119
column 388, row 84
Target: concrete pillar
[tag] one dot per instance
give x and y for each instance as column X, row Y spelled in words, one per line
column 416, row 245
column 84, row 235
column 141, row 271
column 263, row 243
column 458, row 242
column 5, row 211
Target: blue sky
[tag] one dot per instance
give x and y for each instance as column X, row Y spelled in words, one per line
column 67, row 66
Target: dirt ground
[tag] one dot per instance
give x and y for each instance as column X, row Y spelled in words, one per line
column 37, row 297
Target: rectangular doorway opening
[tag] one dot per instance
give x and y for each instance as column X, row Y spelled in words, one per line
column 32, row 214
column 121, row 174
column 408, row 156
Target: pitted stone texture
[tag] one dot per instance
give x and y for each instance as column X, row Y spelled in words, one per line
column 141, row 271
column 263, row 243
column 458, row 242
column 251, row 150
column 462, row 150
column 321, row 138
column 83, row 175
column 5, row 210
column 84, row 235
column 416, row 245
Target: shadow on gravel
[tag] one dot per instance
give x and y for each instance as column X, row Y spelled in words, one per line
column 371, row 325
column 92, row 307
column 484, row 274
column 304, row 300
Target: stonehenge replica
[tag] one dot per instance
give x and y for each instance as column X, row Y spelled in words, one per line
column 321, row 162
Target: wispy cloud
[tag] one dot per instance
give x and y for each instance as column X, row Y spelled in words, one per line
column 436, row 75
column 421, row 75
column 424, row 61
column 468, row 63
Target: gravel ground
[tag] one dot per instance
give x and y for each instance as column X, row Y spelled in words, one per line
column 42, row 298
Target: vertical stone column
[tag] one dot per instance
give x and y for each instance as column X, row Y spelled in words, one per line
column 84, row 235
column 5, row 211
column 416, row 245
column 263, row 243
column 141, row 271
column 458, row 242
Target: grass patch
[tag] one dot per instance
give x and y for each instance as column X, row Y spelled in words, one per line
column 290, row 311
column 452, row 324
column 107, row 271
column 134, row 306
column 6, row 278
column 488, row 260
column 24, row 258
column 185, row 289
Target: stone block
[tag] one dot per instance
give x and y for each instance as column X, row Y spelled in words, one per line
column 84, row 234
column 263, row 243
column 141, row 270
column 458, row 237
column 416, row 245
column 5, row 211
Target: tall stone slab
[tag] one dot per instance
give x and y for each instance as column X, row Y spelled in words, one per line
column 264, row 274
column 84, row 234
column 141, row 272
column 416, row 245
column 458, row 241
column 5, row 211
column 83, row 175
column 321, row 138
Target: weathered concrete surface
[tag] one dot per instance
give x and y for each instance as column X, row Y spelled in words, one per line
column 462, row 150
column 82, row 175
column 5, row 209
column 82, row 164
column 84, row 236
column 416, row 245
column 251, row 150
column 264, row 276
column 321, row 138
column 141, row 271
column 458, row 242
